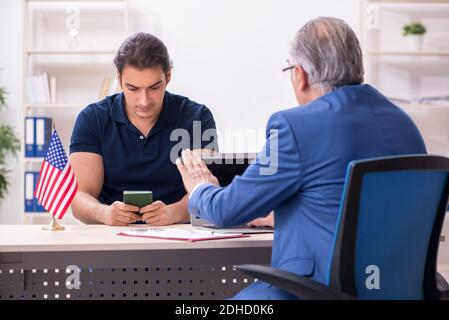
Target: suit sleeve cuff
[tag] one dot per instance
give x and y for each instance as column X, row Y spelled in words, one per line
column 195, row 188
column 194, row 198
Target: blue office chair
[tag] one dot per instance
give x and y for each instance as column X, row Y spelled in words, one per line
column 387, row 234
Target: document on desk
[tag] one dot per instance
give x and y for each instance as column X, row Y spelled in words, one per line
column 180, row 234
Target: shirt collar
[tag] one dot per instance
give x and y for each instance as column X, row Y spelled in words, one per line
column 118, row 109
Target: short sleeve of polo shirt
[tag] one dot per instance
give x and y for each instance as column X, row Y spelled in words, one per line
column 86, row 133
column 208, row 124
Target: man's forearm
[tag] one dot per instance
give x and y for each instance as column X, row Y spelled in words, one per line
column 180, row 210
column 88, row 209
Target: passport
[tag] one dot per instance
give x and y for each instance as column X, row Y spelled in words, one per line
column 138, row 198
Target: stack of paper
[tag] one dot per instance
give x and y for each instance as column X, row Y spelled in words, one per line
column 179, row 234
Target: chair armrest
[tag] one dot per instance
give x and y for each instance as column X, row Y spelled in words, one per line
column 302, row 287
column 443, row 287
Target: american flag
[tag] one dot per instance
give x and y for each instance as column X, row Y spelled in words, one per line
column 57, row 184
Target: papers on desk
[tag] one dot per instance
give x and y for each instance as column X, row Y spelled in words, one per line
column 179, row 234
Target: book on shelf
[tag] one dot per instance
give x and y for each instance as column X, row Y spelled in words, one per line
column 41, row 89
column 53, row 86
column 109, row 87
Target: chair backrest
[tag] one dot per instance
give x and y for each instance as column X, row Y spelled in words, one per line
column 389, row 225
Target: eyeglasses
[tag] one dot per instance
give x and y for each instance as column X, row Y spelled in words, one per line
column 290, row 66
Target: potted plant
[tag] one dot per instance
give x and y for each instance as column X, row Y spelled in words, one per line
column 9, row 144
column 414, row 33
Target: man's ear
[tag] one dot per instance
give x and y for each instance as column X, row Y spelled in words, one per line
column 302, row 78
column 119, row 79
column 168, row 76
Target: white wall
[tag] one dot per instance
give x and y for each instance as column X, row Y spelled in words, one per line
column 229, row 54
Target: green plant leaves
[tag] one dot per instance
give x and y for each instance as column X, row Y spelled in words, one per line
column 3, row 182
column 414, row 28
column 3, row 94
column 9, row 144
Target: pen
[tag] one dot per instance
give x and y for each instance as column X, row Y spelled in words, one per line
column 148, row 229
column 139, row 230
column 205, row 231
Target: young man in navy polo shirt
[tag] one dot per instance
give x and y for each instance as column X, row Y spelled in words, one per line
column 127, row 140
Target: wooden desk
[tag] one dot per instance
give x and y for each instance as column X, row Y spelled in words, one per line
column 33, row 264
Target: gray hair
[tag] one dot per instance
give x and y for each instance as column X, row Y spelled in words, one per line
column 329, row 52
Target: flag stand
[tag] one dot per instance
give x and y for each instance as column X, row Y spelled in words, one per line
column 53, row 226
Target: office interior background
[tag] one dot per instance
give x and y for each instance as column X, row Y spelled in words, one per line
column 226, row 54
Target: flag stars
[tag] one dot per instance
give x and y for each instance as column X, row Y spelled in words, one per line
column 56, row 155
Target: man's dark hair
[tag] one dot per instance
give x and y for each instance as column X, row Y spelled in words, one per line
column 142, row 50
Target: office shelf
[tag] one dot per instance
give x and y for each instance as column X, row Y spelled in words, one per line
column 55, row 106
column 410, row 53
column 424, row 106
column 80, row 63
column 406, row 72
column 33, row 160
column 67, row 52
column 37, row 214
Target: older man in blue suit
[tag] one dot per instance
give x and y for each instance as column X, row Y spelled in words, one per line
column 339, row 120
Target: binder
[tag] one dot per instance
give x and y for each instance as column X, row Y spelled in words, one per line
column 29, row 191
column 30, row 133
column 43, row 135
column 37, row 206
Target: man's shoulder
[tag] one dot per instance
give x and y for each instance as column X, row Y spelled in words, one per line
column 100, row 108
column 303, row 117
column 334, row 102
column 311, row 108
column 96, row 116
column 285, row 115
column 185, row 105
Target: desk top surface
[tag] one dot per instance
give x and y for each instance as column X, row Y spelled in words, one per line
column 31, row 238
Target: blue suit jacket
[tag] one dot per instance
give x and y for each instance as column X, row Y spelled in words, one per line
column 315, row 144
